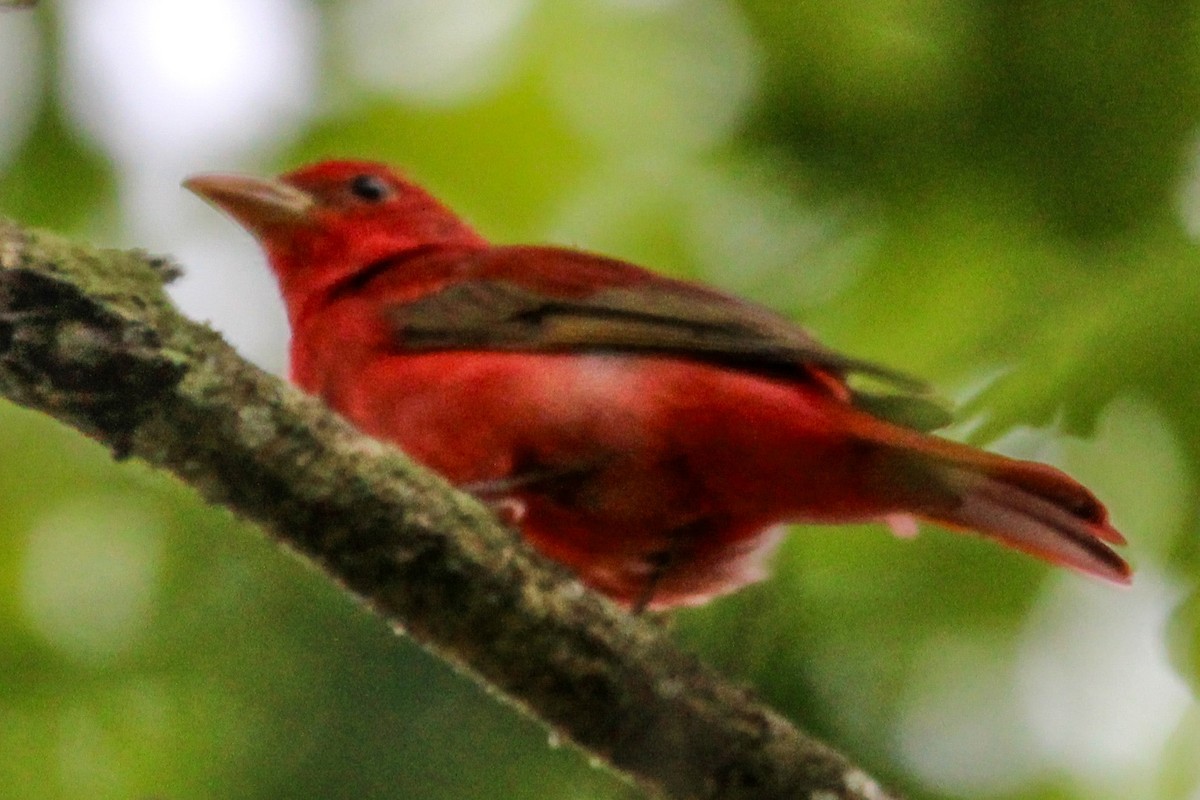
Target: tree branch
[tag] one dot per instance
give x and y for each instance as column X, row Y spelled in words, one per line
column 89, row 337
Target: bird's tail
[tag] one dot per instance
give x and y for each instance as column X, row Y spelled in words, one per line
column 1025, row 505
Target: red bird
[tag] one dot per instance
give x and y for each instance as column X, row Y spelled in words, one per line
column 651, row 434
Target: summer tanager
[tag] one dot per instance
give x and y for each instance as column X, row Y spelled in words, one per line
column 651, row 434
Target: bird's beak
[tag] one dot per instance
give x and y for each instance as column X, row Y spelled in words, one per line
column 258, row 204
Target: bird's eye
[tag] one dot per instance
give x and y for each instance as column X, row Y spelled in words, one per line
column 370, row 188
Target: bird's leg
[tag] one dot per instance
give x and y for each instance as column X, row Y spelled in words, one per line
column 499, row 487
column 662, row 561
column 659, row 563
column 675, row 554
column 498, row 493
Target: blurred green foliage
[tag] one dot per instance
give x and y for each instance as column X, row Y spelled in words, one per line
column 1003, row 197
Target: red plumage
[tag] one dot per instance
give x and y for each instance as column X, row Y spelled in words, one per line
column 649, row 433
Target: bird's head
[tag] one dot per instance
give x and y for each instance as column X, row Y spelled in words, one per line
column 322, row 221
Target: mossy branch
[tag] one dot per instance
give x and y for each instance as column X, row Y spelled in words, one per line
column 89, row 337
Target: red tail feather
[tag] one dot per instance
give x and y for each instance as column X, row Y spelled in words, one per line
column 1028, row 506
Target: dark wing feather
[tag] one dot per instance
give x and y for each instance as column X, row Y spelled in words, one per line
column 659, row 317
column 501, row 315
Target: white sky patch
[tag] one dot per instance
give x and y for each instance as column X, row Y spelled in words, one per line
column 174, row 87
column 89, row 576
column 1087, row 691
column 161, row 79
column 20, row 59
column 228, row 284
column 1096, row 684
column 438, row 52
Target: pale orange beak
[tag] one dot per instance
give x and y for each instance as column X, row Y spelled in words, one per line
column 259, row 205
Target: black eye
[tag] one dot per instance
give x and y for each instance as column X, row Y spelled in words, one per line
column 370, row 188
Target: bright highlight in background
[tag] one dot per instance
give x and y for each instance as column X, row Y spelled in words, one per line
column 1096, row 682
column 172, row 87
column 161, row 78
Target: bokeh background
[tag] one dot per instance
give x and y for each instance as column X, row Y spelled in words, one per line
column 1004, row 197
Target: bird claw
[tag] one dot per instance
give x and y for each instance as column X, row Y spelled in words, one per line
column 509, row 510
column 904, row 526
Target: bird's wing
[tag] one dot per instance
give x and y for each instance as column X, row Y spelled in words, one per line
column 634, row 311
